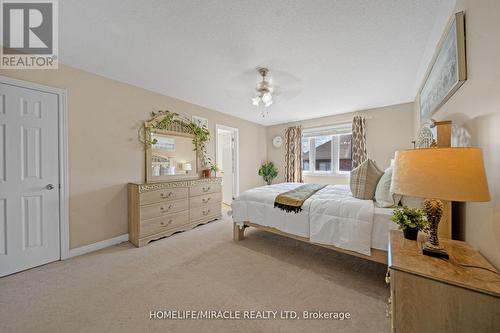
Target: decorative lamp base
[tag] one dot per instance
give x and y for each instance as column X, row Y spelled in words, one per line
column 430, row 250
column 433, row 210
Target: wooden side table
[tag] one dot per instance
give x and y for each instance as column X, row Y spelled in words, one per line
column 432, row 295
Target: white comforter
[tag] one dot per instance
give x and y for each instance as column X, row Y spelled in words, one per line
column 331, row 216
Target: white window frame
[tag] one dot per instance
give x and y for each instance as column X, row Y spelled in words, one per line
column 334, row 131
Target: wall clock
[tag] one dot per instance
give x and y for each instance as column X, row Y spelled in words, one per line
column 277, row 141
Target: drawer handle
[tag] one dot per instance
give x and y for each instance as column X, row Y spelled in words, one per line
column 206, row 189
column 206, row 200
column 166, row 224
column 162, row 208
column 166, row 196
column 206, row 212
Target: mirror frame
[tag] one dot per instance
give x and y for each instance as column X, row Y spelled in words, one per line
column 156, row 179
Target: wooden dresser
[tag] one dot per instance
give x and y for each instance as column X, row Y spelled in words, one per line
column 157, row 210
column 432, row 295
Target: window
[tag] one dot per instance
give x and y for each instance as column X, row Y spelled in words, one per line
column 305, row 154
column 345, row 152
column 322, row 153
column 327, row 150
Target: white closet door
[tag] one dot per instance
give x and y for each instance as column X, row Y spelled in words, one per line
column 29, row 179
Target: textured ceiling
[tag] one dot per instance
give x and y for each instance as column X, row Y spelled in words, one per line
column 326, row 57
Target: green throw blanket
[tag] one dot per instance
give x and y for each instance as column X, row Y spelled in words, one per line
column 293, row 200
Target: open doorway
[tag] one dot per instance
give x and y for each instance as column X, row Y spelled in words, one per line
column 227, row 160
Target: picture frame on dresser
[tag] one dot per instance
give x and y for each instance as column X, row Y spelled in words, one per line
column 200, row 121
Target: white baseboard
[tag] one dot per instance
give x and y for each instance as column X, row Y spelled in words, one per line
column 97, row 246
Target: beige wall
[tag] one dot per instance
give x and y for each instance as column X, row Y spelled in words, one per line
column 104, row 153
column 388, row 129
column 476, row 106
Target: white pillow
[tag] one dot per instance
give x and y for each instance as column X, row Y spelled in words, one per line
column 412, row 202
column 383, row 196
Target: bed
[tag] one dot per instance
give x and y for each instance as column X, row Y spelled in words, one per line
column 331, row 218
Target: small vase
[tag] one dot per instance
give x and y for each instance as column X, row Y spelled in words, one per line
column 410, row 233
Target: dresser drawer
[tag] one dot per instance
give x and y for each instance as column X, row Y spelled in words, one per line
column 162, row 208
column 204, row 189
column 203, row 200
column 163, row 223
column 162, row 195
column 205, row 212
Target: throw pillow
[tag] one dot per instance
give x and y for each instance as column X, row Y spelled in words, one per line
column 364, row 180
column 383, row 196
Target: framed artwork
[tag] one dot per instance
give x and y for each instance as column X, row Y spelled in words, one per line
column 200, row 121
column 448, row 72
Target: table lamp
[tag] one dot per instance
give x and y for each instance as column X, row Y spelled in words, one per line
column 454, row 174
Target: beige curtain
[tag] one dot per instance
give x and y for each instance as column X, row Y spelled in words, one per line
column 293, row 151
column 358, row 141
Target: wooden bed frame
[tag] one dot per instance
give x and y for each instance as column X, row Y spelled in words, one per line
column 379, row 256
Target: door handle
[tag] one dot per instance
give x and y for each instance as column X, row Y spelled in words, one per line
column 49, row 187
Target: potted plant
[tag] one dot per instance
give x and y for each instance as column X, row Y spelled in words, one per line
column 410, row 220
column 268, row 171
column 209, row 167
column 215, row 168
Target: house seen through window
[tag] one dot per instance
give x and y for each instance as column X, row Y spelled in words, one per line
column 327, row 150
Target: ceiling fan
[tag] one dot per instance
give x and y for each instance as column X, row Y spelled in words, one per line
column 266, row 91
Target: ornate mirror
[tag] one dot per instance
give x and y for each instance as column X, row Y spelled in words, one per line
column 172, row 156
column 173, row 146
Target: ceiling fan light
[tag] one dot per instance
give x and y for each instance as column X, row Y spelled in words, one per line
column 267, row 97
column 264, row 93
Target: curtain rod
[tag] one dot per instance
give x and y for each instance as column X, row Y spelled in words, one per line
column 333, row 123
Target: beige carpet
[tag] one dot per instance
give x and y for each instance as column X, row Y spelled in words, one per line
column 114, row 290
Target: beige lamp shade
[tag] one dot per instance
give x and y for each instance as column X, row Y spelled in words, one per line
column 455, row 174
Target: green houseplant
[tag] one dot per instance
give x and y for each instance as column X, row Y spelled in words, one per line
column 268, row 171
column 410, row 220
column 213, row 167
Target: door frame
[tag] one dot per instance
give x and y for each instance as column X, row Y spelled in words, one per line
column 62, row 116
column 236, row 131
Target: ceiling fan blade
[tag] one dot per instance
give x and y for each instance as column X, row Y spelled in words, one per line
column 242, row 86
